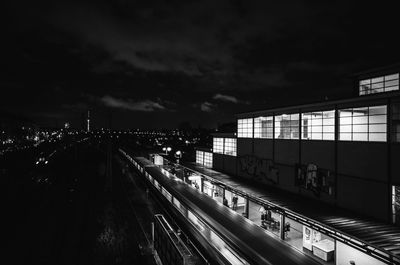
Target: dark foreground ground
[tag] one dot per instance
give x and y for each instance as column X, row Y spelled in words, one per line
column 73, row 210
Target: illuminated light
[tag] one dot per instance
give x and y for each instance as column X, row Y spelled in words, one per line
column 37, row 162
column 46, row 162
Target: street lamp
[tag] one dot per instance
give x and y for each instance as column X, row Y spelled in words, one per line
column 178, row 155
column 167, row 149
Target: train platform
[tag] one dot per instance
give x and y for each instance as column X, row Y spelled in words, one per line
column 370, row 234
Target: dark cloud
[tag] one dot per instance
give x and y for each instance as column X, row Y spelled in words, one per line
column 230, row 99
column 207, row 106
column 170, row 55
column 146, row 105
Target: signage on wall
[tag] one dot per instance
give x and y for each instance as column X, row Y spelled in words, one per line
column 315, row 179
column 260, row 169
column 310, row 236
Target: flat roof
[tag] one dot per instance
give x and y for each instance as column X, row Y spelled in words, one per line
column 204, row 149
column 377, row 234
column 324, row 104
column 227, row 135
column 382, row 70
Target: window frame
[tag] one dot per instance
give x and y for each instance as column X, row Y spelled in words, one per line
column 245, row 128
column 371, row 85
column 360, row 125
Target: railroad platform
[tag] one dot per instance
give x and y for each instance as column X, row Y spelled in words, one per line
column 373, row 232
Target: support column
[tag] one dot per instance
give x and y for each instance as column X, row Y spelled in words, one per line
column 282, row 227
column 247, row 207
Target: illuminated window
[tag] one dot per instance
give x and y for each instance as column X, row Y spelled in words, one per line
column 199, row 157
column 230, row 146
column 208, row 159
column 218, row 145
column 379, row 84
column 363, row 124
column 287, row 126
column 396, row 204
column 263, row 127
column 318, row 125
column 245, row 128
column 204, row 158
column 395, row 125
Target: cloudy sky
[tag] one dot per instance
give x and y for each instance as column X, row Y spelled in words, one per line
column 155, row 63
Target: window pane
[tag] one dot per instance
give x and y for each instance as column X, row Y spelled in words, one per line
column 329, row 121
column 263, row 127
column 316, row 136
column 377, row 119
column 391, row 88
column 345, row 136
column 377, row 110
column 390, row 77
column 345, row 128
column 245, row 128
column 230, row 146
column 392, row 83
column 367, row 124
column 346, row 120
column 379, row 84
column 360, row 137
column 360, row 120
column 360, row 128
column 218, row 145
column 377, row 79
column 377, row 128
column 329, row 136
column 365, row 82
column 329, row 129
column 360, row 111
column 378, row 137
column 345, row 113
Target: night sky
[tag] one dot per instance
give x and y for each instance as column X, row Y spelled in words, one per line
column 155, row 64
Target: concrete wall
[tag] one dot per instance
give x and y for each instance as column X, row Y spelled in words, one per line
column 230, row 165
column 363, row 196
column 218, row 161
column 395, row 164
column 321, row 153
column 363, row 159
column 361, row 177
column 244, row 146
column 263, row 148
column 287, row 152
column 225, row 163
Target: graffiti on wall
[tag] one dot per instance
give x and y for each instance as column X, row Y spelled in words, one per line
column 260, row 169
column 315, row 179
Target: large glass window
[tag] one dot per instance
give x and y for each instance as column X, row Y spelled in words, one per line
column 395, row 125
column 208, row 159
column 245, row 128
column 263, row 127
column 218, row 145
column 199, row 157
column 363, row 124
column 379, row 84
column 287, row 126
column 230, row 146
column 318, row 125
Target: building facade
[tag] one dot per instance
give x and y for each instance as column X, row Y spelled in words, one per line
column 345, row 153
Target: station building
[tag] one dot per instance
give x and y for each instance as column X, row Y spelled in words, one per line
column 344, row 154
